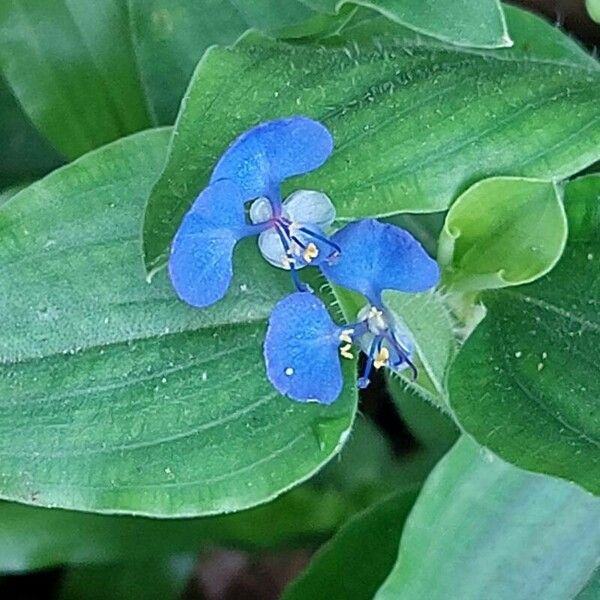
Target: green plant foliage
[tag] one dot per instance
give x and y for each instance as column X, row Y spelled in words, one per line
column 37, row 538
column 71, row 65
column 413, row 125
column 170, row 37
column 429, row 321
column 149, row 580
column 119, row 397
column 354, row 563
column 593, row 8
column 25, row 155
column 534, row 38
column 526, row 384
column 482, row 528
column 591, row 590
column 537, row 38
column 502, row 231
column 368, row 470
column 478, row 23
column 433, row 428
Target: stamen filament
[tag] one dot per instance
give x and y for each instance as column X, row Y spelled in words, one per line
column 363, row 381
column 301, row 287
column 287, row 225
column 403, row 355
column 336, row 249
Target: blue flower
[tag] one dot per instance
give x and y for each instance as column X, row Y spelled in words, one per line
column 291, row 232
column 303, row 345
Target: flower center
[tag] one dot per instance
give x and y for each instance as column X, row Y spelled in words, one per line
column 378, row 336
column 291, row 231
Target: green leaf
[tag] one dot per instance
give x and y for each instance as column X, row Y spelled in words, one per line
column 71, row 65
column 526, row 384
column 272, row 15
column 477, row 23
column 368, row 468
column 534, row 38
column 502, row 231
column 154, row 579
column 354, row 563
column 413, row 125
column 170, row 37
column 25, row 154
column 428, row 319
column 593, row 8
column 433, row 428
column 484, row 529
column 116, row 396
column 591, row 591
column 36, row 538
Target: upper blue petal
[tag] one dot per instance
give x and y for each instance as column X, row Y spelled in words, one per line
column 378, row 256
column 200, row 265
column 267, row 154
column 301, row 350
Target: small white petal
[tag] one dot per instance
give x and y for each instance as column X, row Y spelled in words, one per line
column 260, row 210
column 310, row 208
column 272, row 249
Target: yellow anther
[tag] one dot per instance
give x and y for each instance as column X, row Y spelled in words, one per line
column 382, row 358
column 345, row 351
column 310, row 252
column 346, row 336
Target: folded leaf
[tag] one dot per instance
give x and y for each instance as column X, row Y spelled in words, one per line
column 527, row 382
column 502, row 231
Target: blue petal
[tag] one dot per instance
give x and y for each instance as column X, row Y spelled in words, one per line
column 379, row 256
column 264, row 156
column 301, row 350
column 200, row 265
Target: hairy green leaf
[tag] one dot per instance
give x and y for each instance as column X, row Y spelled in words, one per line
column 527, row 382
column 114, row 395
column 534, row 38
column 433, row 428
column 413, row 124
column 431, row 326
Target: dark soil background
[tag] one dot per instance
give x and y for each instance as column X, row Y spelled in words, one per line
column 232, row 575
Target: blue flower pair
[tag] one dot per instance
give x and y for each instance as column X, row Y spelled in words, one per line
column 303, row 346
